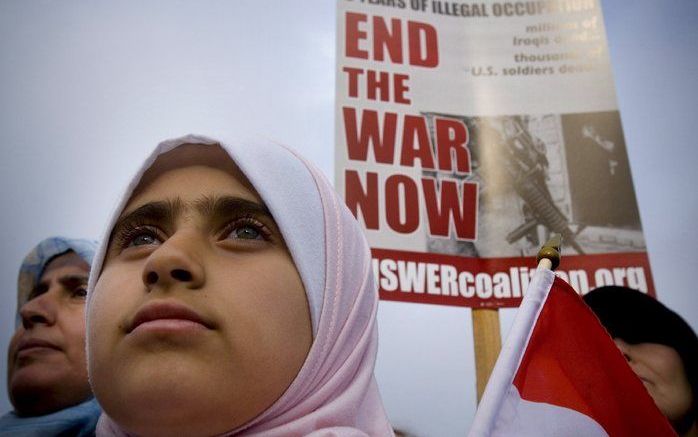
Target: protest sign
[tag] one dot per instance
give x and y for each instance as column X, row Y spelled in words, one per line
column 468, row 133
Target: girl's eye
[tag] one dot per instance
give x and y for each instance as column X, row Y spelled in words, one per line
column 137, row 236
column 249, row 229
column 143, row 239
column 245, row 232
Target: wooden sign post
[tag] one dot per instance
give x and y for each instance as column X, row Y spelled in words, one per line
column 488, row 342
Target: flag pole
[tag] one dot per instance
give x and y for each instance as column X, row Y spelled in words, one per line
column 487, row 338
column 549, row 255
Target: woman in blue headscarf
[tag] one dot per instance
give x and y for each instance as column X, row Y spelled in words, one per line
column 47, row 375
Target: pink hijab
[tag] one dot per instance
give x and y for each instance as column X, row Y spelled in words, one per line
column 335, row 392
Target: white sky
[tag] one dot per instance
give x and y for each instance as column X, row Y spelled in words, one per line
column 88, row 88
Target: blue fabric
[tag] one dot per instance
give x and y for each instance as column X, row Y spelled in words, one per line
column 78, row 421
column 34, row 263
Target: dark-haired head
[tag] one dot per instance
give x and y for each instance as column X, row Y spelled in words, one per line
column 659, row 346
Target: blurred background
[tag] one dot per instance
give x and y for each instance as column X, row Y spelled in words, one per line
column 88, row 88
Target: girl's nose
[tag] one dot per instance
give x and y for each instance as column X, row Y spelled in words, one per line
column 175, row 262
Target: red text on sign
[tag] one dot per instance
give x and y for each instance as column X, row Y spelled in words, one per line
column 450, row 206
column 378, row 85
column 451, row 137
column 381, row 40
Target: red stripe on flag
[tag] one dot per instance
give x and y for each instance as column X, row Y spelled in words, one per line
column 570, row 361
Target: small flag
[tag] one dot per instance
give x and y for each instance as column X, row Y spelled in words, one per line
column 560, row 374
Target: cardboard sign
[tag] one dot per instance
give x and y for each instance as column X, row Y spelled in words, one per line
column 467, row 133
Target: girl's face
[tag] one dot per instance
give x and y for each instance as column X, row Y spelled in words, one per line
column 199, row 319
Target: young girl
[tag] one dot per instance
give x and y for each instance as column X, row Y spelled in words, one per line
column 232, row 294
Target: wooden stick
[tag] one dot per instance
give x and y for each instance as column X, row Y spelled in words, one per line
column 488, row 342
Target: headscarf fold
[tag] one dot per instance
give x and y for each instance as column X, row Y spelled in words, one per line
column 335, row 392
column 79, row 421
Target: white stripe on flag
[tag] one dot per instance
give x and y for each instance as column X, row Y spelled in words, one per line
column 510, row 356
column 535, row 419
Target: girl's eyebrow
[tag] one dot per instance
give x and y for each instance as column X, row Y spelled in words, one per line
column 214, row 208
column 157, row 212
column 221, row 208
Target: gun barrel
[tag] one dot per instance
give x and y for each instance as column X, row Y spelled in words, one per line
column 546, row 212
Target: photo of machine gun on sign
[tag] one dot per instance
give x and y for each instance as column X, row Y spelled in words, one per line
column 538, row 175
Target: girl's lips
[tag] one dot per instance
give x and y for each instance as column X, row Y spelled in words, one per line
column 167, row 316
column 168, row 325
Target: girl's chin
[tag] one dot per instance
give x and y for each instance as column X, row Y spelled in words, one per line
column 173, row 392
column 172, row 415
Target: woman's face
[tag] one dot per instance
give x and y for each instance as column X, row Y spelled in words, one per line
column 46, row 357
column 661, row 370
column 199, row 319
